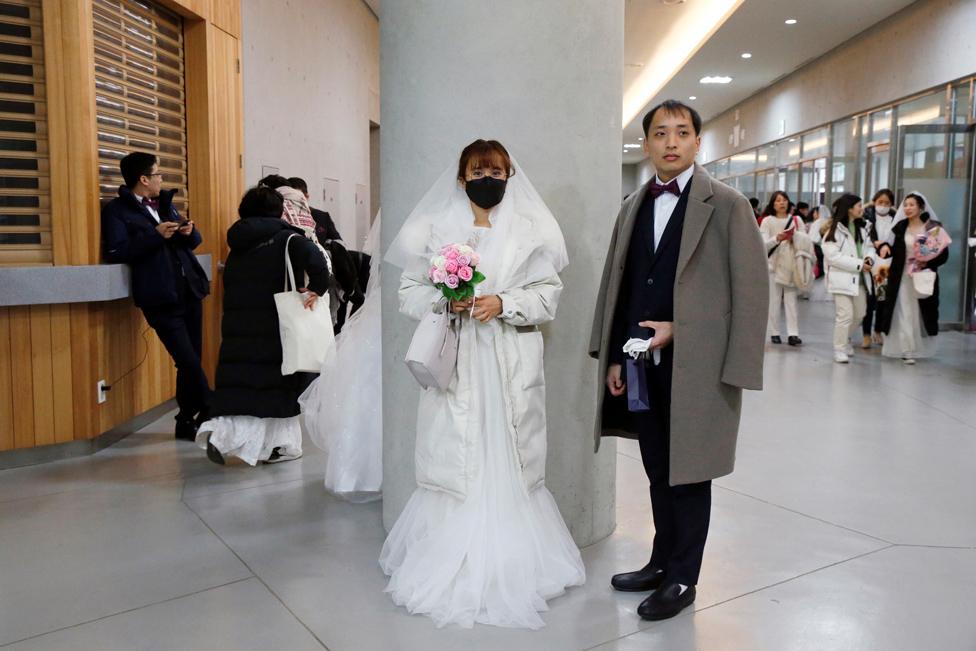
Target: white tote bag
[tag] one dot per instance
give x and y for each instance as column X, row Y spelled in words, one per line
column 306, row 335
column 433, row 350
column 924, row 282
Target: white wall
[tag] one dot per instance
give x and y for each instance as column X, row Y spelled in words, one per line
column 929, row 43
column 311, row 86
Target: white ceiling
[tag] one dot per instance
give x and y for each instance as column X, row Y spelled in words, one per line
column 757, row 26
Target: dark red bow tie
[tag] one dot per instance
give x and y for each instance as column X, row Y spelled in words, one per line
column 152, row 203
column 657, row 189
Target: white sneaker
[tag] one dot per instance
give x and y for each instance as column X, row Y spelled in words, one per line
column 849, row 349
column 841, row 358
column 909, row 361
column 277, row 456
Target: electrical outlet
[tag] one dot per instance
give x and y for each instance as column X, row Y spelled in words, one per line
column 102, row 392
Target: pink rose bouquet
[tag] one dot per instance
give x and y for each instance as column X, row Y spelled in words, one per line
column 928, row 246
column 454, row 271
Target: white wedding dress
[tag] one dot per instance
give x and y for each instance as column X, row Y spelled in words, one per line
column 343, row 407
column 497, row 555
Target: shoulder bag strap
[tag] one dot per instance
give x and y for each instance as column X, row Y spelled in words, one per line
column 289, row 270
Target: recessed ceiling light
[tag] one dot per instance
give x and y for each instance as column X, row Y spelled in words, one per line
column 631, row 147
column 692, row 97
column 715, row 80
column 746, row 55
column 791, row 21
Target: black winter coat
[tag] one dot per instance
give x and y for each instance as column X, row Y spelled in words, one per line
column 249, row 380
column 929, row 306
column 130, row 237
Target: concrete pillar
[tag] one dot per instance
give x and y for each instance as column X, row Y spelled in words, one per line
column 545, row 78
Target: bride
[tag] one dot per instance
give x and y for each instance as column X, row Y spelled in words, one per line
column 481, row 539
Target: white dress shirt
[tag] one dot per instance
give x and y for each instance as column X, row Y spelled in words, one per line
column 664, row 205
column 152, row 211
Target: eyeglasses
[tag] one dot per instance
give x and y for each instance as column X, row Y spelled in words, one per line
column 496, row 173
column 160, row 174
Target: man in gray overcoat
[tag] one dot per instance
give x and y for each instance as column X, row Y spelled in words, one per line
column 686, row 269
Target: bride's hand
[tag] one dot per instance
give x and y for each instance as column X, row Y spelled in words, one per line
column 460, row 306
column 486, row 308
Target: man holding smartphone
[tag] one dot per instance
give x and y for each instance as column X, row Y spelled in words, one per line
column 142, row 229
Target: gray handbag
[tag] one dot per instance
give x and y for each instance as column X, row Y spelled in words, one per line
column 432, row 355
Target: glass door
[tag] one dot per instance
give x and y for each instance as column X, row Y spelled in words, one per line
column 937, row 161
column 878, row 163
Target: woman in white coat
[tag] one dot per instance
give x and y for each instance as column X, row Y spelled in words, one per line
column 849, row 256
column 481, row 539
column 778, row 229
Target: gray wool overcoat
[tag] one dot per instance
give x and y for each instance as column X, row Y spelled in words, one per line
column 721, row 298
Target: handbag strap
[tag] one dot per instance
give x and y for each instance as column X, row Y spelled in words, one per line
column 289, row 270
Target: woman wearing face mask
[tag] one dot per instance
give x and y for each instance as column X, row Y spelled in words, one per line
column 879, row 216
column 778, row 228
column 910, row 322
column 481, row 539
column 850, row 257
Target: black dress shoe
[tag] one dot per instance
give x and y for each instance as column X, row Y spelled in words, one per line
column 644, row 579
column 776, row 340
column 794, row 341
column 186, row 430
column 666, row 602
column 213, row 453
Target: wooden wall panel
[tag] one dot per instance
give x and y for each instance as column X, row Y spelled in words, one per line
column 6, row 385
column 61, row 372
column 70, row 64
column 42, row 377
column 226, row 14
column 21, row 377
column 84, row 402
column 51, row 357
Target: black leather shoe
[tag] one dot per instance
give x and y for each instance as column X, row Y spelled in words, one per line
column 213, row 453
column 794, row 341
column 186, row 430
column 666, row 602
column 776, row 340
column 644, row 579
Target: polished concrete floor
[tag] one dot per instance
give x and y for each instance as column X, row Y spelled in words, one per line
column 850, row 523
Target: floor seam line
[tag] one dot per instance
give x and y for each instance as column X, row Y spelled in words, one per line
column 800, row 576
column 255, row 575
column 130, row 610
column 649, row 625
column 246, row 488
column 806, row 515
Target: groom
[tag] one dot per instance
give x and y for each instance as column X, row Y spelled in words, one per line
column 686, row 269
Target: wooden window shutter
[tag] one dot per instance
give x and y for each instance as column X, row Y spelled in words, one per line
column 140, row 99
column 25, row 200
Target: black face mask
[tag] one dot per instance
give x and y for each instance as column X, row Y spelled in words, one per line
column 486, row 192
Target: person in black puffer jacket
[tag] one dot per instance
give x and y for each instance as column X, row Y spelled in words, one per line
column 254, row 411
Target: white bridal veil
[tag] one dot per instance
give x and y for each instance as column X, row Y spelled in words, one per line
column 524, row 245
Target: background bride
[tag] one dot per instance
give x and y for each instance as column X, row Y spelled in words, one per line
column 481, row 539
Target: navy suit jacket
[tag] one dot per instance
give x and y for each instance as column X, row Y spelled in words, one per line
column 130, row 237
column 647, row 293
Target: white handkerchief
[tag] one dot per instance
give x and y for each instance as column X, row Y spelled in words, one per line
column 634, row 347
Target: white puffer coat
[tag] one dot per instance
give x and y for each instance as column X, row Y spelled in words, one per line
column 844, row 267
column 446, row 445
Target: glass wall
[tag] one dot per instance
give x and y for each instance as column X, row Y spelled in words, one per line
column 852, row 155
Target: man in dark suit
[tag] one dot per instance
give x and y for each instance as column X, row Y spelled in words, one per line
column 686, row 269
column 142, row 229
